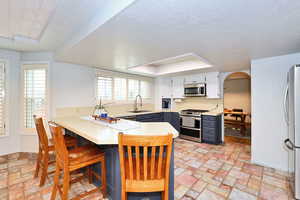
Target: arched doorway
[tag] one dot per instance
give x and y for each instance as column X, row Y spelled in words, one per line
column 237, row 107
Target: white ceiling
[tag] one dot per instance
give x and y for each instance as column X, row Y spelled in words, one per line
column 71, row 19
column 118, row 34
column 227, row 33
column 26, row 19
column 183, row 63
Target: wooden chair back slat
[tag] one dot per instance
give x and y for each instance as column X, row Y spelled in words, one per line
column 130, row 162
column 160, row 158
column 153, row 155
column 62, row 155
column 137, row 155
column 40, row 129
column 145, row 158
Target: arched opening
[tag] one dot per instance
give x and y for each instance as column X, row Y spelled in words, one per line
column 237, row 107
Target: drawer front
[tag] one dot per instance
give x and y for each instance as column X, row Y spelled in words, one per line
column 208, row 132
column 209, row 118
column 148, row 116
column 209, row 124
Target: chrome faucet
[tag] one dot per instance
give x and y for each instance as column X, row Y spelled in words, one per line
column 136, row 102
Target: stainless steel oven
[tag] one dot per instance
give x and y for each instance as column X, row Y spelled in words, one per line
column 195, row 90
column 190, row 124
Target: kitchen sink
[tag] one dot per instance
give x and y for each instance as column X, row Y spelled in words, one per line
column 139, row 111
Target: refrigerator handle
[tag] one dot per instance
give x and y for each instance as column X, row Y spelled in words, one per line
column 288, row 143
column 285, row 104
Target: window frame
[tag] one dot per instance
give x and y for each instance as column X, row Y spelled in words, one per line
column 127, row 100
column 6, row 102
column 32, row 131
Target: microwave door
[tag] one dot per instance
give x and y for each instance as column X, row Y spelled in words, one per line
column 191, row 90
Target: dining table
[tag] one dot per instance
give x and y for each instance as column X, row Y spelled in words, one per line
column 237, row 123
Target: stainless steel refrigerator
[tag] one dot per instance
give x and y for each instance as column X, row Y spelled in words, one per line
column 292, row 117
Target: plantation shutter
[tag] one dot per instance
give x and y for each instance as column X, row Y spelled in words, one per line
column 104, row 88
column 2, row 99
column 133, row 88
column 34, row 92
column 145, row 89
column 120, row 88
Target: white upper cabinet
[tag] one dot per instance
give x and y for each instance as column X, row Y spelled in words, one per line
column 165, row 90
column 178, row 87
column 213, row 85
column 198, row 78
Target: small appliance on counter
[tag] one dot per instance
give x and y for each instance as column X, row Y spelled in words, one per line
column 166, row 103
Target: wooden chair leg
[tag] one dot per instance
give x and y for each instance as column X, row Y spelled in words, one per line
column 165, row 195
column 45, row 161
column 124, row 195
column 56, row 182
column 66, row 184
column 38, row 160
column 103, row 177
column 90, row 175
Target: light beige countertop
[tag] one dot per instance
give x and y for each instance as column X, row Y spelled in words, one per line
column 212, row 113
column 100, row 134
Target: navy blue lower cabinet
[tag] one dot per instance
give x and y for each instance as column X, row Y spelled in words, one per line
column 152, row 117
column 113, row 174
column 211, row 129
column 176, row 121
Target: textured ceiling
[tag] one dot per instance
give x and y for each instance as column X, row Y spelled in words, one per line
column 226, row 33
column 25, row 19
column 70, row 19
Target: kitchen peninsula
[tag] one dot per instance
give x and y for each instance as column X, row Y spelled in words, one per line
column 106, row 138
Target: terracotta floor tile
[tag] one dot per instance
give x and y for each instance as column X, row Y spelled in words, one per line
column 202, row 172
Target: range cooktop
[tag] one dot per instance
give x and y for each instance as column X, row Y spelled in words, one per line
column 193, row 112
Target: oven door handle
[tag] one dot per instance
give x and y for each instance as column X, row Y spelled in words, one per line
column 191, row 128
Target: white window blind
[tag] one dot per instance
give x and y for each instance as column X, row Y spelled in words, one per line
column 104, row 88
column 133, row 88
column 120, row 88
column 34, row 92
column 145, row 89
column 2, row 99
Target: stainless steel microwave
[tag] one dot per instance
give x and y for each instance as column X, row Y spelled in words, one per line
column 195, row 90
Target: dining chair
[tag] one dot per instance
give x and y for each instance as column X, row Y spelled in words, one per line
column 68, row 161
column 236, row 115
column 145, row 163
column 45, row 148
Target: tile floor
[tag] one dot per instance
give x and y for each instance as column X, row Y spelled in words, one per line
column 202, row 172
column 17, row 182
column 217, row 172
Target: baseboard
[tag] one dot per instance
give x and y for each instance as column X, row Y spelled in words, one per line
column 267, row 165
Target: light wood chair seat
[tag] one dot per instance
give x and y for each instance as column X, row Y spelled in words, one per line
column 46, row 146
column 145, row 163
column 84, row 159
column 70, row 141
column 71, row 160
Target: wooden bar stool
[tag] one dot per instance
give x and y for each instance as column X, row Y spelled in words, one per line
column 45, row 147
column 72, row 160
column 145, row 164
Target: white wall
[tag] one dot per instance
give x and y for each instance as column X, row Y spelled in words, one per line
column 69, row 86
column 11, row 142
column 72, row 86
column 268, row 81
